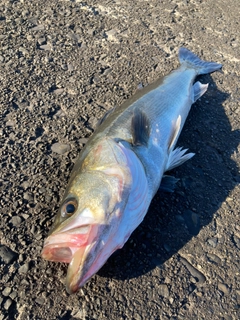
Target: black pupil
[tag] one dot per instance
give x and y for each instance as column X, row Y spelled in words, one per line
column 70, row 208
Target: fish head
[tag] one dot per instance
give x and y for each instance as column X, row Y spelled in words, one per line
column 84, row 233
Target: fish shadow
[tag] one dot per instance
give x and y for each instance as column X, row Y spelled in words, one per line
column 205, row 182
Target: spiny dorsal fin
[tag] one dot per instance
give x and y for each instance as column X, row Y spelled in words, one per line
column 175, row 133
column 140, row 128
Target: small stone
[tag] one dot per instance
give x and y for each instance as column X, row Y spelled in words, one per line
column 163, row 290
column 16, row 220
column 7, row 304
column 25, row 216
column 192, row 222
column 223, row 287
column 6, row 291
column 212, row 242
column 70, row 67
column 38, row 27
column 58, row 91
column 46, row 47
column 10, row 123
column 7, row 255
column 13, row 295
column 25, row 185
column 213, row 258
column 40, row 300
column 27, row 196
column 23, row 50
column 111, row 34
column 167, row 247
column 24, row 268
column 60, row 148
column 41, row 41
column 83, row 140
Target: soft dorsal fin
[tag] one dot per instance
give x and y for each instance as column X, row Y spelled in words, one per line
column 140, row 128
column 175, row 133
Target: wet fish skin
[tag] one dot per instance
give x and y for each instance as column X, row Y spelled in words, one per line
column 120, row 169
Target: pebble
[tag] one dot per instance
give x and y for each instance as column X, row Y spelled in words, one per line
column 83, row 140
column 58, row 91
column 212, row 242
column 7, row 255
column 40, row 300
column 223, row 287
column 16, row 220
column 38, row 27
column 163, row 290
column 6, row 292
column 213, row 258
column 7, row 304
column 23, row 50
column 111, row 34
column 25, row 184
column 192, row 222
column 24, row 268
column 41, row 41
column 60, row 148
column 27, row 196
column 10, row 123
column 46, row 47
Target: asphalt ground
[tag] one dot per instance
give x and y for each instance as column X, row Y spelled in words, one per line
column 63, row 64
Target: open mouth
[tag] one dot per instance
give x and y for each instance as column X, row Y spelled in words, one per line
column 62, row 246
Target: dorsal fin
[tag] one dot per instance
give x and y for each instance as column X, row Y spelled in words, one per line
column 140, row 128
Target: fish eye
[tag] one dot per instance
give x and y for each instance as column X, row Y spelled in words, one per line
column 69, row 207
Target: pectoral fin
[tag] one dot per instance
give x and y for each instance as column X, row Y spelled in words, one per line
column 140, row 128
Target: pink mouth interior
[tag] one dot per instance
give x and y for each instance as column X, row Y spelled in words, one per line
column 61, row 247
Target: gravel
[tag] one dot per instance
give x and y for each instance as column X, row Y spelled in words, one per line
column 64, row 64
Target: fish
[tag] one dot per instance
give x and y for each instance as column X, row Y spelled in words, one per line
column 121, row 168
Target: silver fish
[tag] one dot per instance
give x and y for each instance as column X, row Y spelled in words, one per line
column 121, row 168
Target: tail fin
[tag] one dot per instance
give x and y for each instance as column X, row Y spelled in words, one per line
column 192, row 61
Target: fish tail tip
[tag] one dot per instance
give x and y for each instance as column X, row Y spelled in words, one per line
column 193, row 61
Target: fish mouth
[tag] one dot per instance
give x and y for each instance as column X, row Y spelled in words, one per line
column 72, row 246
column 61, row 247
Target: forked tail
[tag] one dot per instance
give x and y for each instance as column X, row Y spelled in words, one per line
column 193, row 61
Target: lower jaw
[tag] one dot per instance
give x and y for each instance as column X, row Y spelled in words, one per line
column 73, row 280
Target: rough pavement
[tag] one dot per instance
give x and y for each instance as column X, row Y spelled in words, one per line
column 63, row 64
